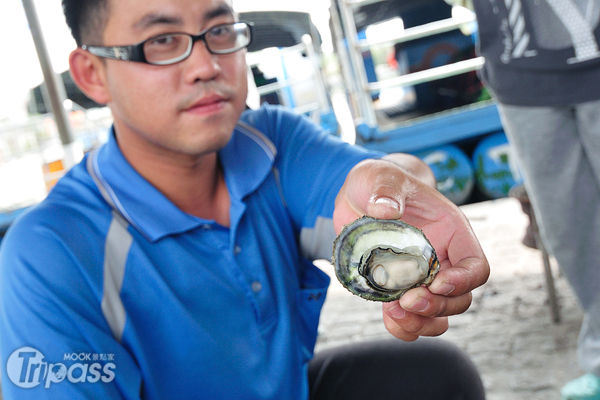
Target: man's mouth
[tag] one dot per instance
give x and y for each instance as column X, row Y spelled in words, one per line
column 207, row 104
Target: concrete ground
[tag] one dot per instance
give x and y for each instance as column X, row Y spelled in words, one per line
column 508, row 330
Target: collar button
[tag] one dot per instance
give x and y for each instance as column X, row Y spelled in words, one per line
column 256, row 286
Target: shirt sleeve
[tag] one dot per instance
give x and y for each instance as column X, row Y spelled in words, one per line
column 312, row 167
column 55, row 343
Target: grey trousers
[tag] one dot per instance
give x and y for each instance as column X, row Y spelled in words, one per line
column 558, row 151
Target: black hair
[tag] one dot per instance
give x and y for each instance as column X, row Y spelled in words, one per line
column 86, row 19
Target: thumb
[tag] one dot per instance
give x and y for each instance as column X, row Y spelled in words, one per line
column 384, row 207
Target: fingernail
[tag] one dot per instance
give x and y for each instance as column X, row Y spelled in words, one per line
column 419, row 304
column 444, row 288
column 387, row 202
column 396, row 311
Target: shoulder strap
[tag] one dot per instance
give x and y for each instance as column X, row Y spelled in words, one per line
column 269, row 148
column 116, row 251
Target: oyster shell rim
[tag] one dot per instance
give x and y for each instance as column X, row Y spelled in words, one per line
column 376, row 294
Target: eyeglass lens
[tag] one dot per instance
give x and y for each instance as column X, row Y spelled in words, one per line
column 219, row 39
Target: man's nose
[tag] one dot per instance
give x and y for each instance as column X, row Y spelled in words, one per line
column 201, row 64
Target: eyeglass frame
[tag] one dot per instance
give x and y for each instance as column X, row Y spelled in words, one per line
column 135, row 52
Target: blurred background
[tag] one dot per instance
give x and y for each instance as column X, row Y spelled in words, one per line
column 394, row 76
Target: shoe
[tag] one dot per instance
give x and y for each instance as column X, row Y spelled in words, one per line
column 586, row 387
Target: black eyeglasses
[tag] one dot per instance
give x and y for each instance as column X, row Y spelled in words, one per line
column 171, row 48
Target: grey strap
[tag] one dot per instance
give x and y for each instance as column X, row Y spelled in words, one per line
column 317, row 242
column 259, row 137
column 116, row 250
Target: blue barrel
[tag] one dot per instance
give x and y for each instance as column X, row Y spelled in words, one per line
column 495, row 170
column 452, row 169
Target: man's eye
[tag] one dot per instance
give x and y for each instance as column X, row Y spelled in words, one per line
column 162, row 40
column 221, row 30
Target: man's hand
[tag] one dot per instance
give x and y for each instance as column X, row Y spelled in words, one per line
column 400, row 187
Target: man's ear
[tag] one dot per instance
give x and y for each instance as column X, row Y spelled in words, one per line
column 89, row 73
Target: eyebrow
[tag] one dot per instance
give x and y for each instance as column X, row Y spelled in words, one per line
column 164, row 19
column 157, row 19
column 219, row 11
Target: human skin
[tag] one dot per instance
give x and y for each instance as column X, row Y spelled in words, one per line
column 170, row 121
column 403, row 189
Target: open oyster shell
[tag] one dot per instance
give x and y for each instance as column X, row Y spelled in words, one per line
column 382, row 259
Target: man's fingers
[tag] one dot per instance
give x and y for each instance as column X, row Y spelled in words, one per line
column 423, row 302
column 461, row 278
column 373, row 187
column 409, row 326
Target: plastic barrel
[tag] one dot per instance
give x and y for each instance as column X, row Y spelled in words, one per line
column 453, row 171
column 495, row 169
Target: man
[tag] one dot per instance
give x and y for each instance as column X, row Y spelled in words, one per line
column 174, row 262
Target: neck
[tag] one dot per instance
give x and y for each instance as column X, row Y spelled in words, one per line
column 195, row 184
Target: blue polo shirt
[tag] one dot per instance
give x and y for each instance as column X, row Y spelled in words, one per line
column 109, row 291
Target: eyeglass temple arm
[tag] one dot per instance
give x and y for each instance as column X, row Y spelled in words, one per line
column 115, row 52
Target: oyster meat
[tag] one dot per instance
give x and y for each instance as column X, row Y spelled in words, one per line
column 382, row 259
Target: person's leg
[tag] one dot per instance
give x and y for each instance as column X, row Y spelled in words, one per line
column 392, row 369
column 562, row 188
column 556, row 160
column 588, row 122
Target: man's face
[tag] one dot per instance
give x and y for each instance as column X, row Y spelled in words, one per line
column 186, row 108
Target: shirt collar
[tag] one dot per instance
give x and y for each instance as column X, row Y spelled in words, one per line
column 247, row 159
